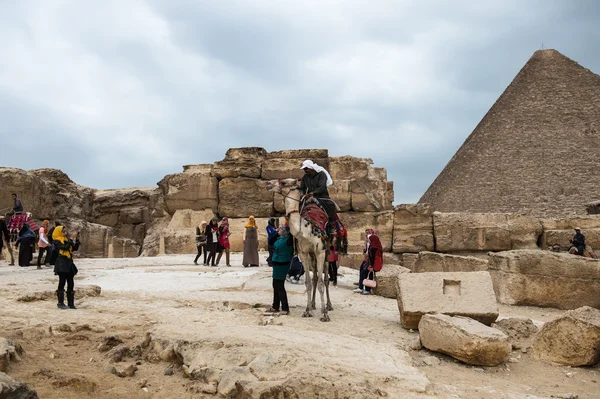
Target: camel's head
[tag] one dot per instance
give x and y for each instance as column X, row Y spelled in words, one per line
column 278, row 185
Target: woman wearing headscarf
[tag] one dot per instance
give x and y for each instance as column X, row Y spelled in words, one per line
column 224, row 244
column 373, row 260
column 64, row 268
column 201, row 241
column 25, row 243
column 212, row 239
column 250, row 238
column 283, row 250
column 271, row 231
column 43, row 244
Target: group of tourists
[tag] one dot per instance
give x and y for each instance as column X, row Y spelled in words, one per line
column 212, row 239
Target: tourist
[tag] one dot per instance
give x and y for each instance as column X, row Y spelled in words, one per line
column 250, row 238
column 578, row 241
column 373, row 261
column 283, row 250
column 65, row 268
column 25, row 243
column 314, row 184
column 271, row 231
column 224, row 245
column 5, row 235
column 201, row 241
column 53, row 251
column 212, row 240
column 333, row 266
column 18, row 205
column 43, row 244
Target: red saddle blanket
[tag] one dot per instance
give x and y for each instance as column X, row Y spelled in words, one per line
column 314, row 213
column 17, row 221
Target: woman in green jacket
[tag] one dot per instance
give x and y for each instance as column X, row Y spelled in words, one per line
column 283, row 250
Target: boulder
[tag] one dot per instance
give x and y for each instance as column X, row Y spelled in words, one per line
column 471, row 232
column 387, row 280
column 351, row 260
column 372, row 195
column 436, row 262
column 357, row 222
column 231, row 169
column 545, row 279
column 572, row 339
column 524, row 231
column 195, row 189
column 464, row 339
column 518, row 330
column 456, row 294
column 14, row 389
column 242, row 197
column 124, row 248
column 9, row 352
column 413, row 228
column 95, row 238
column 349, row 168
column 245, row 153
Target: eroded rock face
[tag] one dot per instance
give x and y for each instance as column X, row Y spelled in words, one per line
column 545, row 279
column 9, row 352
column 195, row 189
column 413, row 228
column 464, row 339
column 14, row 389
column 243, row 197
column 572, row 339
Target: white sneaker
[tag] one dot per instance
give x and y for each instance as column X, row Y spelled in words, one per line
column 357, row 290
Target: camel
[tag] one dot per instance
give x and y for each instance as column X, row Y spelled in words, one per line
column 311, row 249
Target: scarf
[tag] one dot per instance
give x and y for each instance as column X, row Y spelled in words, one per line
column 311, row 165
column 58, row 235
column 373, row 240
column 251, row 222
column 225, row 223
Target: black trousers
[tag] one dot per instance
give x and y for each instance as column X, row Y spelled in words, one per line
column 200, row 249
column 41, row 255
column 363, row 275
column 53, row 257
column 333, row 269
column 66, row 278
column 212, row 252
column 280, row 296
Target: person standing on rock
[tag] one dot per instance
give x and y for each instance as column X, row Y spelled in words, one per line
column 212, row 240
column 224, row 245
column 43, row 244
column 271, row 231
column 5, row 236
column 25, row 243
column 65, row 269
column 250, row 238
column 53, row 251
column 283, row 250
column 201, row 241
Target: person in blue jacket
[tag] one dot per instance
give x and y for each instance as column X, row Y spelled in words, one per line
column 283, row 250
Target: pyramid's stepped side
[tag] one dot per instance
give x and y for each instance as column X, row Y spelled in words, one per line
column 537, row 150
column 127, row 222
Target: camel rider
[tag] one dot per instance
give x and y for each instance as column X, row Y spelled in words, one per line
column 314, row 184
column 18, row 205
column 578, row 241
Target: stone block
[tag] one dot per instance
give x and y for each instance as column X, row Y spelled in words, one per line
column 188, row 219
column 524, row 231
column 413, row 228
column 464, row 339
column 352, row 260
column 371, row 195
column 340, row 193
column 233, row 168
column 357, row 222
column 125, row 248
column 349, row 168
column 242, row 197
column 409, row 261
column 109, row 219
column 545, row 279
column 283, row 168
column 303, row 154
column 387, row 280
column 195, row 189
column 245, row 153
column 455, row 294
column 131, row 216
column 436, row 262
column 572, row 339
column 471, row 232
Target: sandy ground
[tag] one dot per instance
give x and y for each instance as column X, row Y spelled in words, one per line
column 219, row 313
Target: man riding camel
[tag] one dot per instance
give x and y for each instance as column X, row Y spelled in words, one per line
column 18, row 205
column 314, row 184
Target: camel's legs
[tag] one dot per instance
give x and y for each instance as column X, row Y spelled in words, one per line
column 329, row 305
column 308, row 285
column 315, row 278
column 321, row 285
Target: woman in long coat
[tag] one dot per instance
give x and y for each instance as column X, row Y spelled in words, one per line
column 250, row 237
column 25, row 243
column 64, row 268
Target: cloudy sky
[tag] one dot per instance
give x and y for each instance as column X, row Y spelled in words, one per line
column 119, row 93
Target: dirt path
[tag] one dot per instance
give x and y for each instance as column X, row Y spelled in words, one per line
column 187, row 327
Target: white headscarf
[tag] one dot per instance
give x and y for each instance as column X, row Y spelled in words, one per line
column 311, row 165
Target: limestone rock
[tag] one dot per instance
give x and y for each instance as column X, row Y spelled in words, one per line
column 14, row 389
column 436, row 262
column 372, row 195
column 464, row 339
column 545, row 279
column 9, row 352
column 524, row 231
column 194, row 189
column 387, row 280
column 229, row 378
column 340, row 192
column 518, row 330
column 313, row 154
column 572, row 339
column 471, row 232
column 95, row 238
column 409, row 261
column 357, row 222
column 82, row 291
column 242, row 197
column 286, row 164
column 413, row 228
column 456, row 294
column 245, row 153
column 349, row 168
column 234, row 168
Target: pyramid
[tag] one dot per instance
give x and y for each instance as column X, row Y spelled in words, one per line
column 536, row 151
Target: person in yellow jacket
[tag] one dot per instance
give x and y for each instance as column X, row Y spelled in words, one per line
column 64, row 268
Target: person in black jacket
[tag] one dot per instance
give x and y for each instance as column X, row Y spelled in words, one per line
column 578, row 241
column 53, row 253
column 212, row 239
column 5, row 235
column 64, row 267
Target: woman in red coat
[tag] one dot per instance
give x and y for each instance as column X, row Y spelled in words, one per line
column 373, row 260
